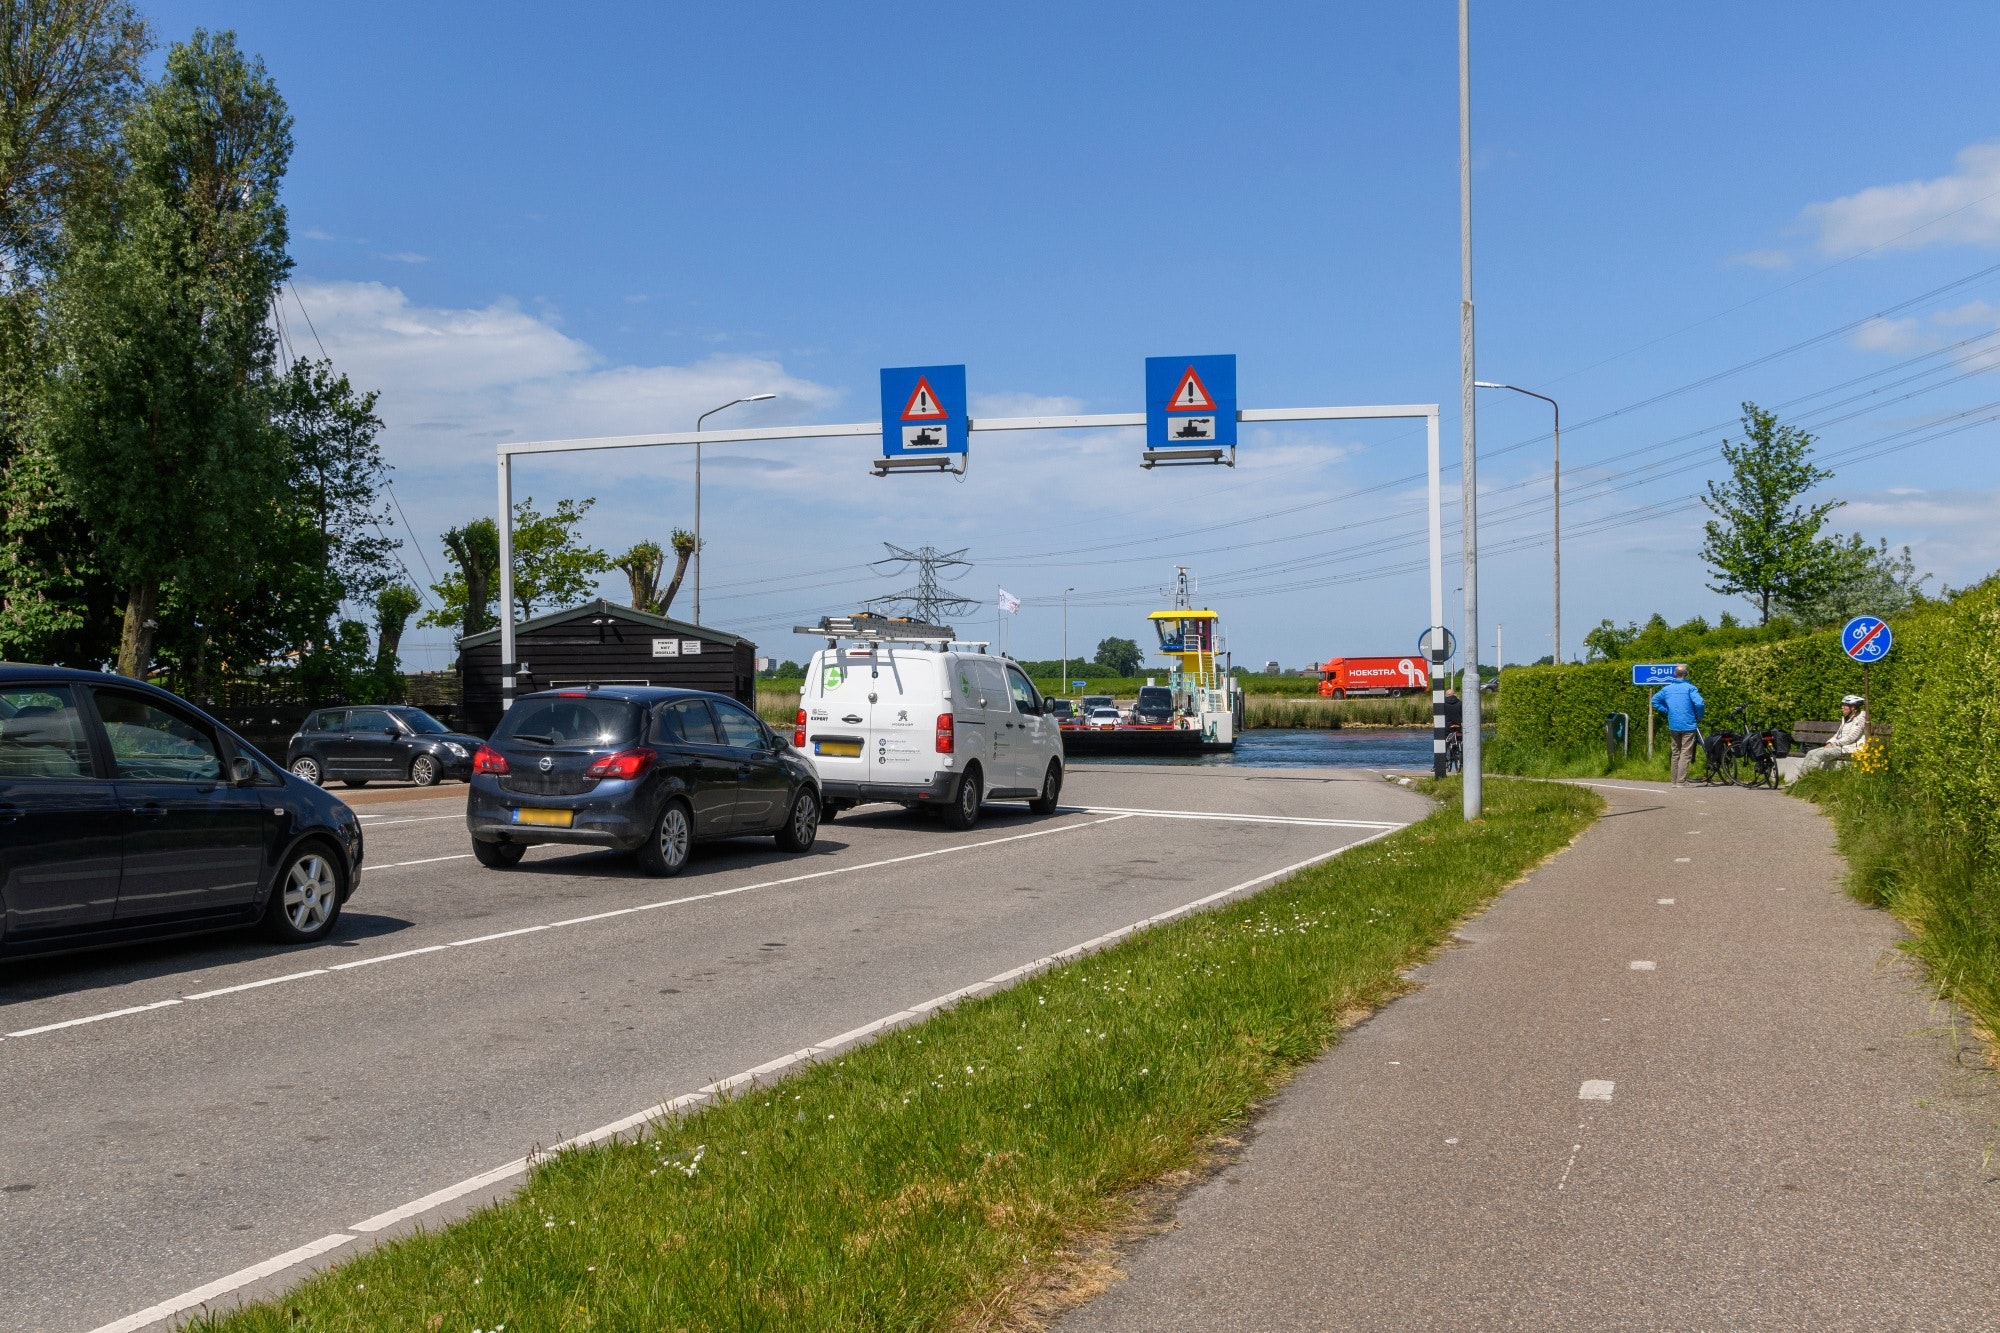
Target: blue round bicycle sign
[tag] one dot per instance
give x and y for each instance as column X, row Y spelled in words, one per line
column 1867, row 638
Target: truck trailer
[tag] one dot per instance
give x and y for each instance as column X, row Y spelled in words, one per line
column 1352, row 677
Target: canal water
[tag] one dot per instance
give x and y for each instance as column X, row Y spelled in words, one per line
column 1285, row 747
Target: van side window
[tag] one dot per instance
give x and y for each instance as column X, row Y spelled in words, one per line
column 1025, row 698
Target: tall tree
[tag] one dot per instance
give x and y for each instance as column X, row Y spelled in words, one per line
column 159, row 411
column 394, row 606
column 1762, row 543
column 641, row 566
column 465, row 596
column 684, row 546
column 1119, row 657
column 337, row 481
column 553, row 567
column 68, row 72
column 1871, row 580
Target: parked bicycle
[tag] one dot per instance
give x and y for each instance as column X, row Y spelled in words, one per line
column 1454, row 751
column 1744, row 754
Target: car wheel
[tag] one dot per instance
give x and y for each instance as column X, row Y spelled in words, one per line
column 424, row 771
column 354, row 782
column 307, row 767
column 305, row 902
column 802, row 825
column 1046, row 803
column 667, row 851
column 963, row 812
column 498, row 855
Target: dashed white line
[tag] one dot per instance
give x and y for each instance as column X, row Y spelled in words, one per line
column 1595, row 1090
column 1642, row 965
column 380, row 821
column 487, row 1179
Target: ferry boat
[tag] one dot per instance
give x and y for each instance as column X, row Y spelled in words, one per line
column 1207, row 705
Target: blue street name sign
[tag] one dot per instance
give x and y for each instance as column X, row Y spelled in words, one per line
column 1190, row 402
column 1649, row 674
column 923, row 411
column 1079, row 684
column 1867, row 639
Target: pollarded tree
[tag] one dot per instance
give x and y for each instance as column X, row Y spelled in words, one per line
column 1762, row 543
column 684, row 546
column 159, row 409
column 465, row 596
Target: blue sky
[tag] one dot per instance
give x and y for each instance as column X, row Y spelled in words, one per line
column 520, row 223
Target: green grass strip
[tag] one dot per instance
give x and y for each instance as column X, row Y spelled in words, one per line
column 928, row 1174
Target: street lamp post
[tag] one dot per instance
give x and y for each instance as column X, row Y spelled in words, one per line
column 1556, row 651
column 1065, row 679
column 753, row 398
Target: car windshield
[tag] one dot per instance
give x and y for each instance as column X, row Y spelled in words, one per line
column 417, row 720
column 1156, row 698
column 1096, row 701
column 592, row 723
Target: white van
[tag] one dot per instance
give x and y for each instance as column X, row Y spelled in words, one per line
column 927, row 727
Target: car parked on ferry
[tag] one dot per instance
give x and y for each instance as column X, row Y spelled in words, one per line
column 636, row 768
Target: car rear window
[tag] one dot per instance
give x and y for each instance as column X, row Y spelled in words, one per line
column 590, row 723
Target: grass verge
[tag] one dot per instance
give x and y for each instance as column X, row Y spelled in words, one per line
column 935, row 1177
column 1517, row 760
column 1899, row 859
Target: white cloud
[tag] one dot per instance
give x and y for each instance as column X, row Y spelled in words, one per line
column 405, row 257
column 1765, row 259
column 453, row 380
column 1897, row 337
column 1962, row 208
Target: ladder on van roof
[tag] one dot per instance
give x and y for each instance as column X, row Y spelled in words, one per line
column 877, row 628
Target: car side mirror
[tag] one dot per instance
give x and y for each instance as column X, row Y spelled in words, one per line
column 242, row 772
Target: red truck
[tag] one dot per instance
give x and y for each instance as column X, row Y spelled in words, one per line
column 1345, row 677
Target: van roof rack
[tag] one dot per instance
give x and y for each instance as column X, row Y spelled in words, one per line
column 888, row 629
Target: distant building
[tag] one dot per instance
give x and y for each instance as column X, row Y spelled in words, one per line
column 1271, row 669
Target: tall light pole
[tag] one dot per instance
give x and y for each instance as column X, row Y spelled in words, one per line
column 753, row 398
column 1555, row 653
column 1469, row 450
column 1065, row 679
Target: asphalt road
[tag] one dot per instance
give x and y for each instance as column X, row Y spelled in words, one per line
column 170, row 1135
column 1674, row 1080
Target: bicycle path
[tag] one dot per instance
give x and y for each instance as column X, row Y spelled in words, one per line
column 1675, row 1079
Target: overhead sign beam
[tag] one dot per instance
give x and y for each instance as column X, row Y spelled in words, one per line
column 507, row 453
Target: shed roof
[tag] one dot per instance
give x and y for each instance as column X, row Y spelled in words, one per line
column 603, row 607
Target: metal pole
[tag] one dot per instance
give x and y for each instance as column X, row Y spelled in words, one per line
column 1555, row 644
column 697, row 527
column 1469, row 456
column 1437, row 599
column 1065, row 679
column 507, row 663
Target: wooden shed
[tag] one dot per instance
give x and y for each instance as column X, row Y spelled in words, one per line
column 603, row 643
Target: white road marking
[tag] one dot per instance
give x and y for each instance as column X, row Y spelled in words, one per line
column 1643, row 965
column 428, row 860
column 1574, row 1149
column 1683, row 860
column 555, row 925
column 1664, row 902
column 1595, row 1090
column 222, row 1286
column 639, row 1119
column 380, row 820
column 1250, row 819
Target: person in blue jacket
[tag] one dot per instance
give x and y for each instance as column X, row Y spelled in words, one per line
column 1683, row 705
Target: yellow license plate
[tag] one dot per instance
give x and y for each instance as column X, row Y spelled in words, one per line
column 545, row 818
column 839, row 749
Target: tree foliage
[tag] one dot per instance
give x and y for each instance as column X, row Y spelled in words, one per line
column 1763, row 544
column 465, row 596
column 1119, row 657
column 1864, row 580
column 553, row 567
column 159, row 412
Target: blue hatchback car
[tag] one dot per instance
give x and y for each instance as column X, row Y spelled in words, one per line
column 640, row 769
column 127, row 813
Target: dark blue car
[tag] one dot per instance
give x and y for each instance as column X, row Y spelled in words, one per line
column 640, row 769
column 127, row 813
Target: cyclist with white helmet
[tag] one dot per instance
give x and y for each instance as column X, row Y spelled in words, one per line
column 1853, row 731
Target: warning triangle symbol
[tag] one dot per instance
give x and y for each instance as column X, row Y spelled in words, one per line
column 1191, row 395
column 923, row 404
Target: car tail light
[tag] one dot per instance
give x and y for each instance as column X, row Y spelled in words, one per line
column 625, row 765
column 799, row 732
column 487, row 760
column 946, row 737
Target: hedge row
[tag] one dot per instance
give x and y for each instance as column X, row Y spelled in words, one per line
column 1561, row 709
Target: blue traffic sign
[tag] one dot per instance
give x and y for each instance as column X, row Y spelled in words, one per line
column 1649, row 674
column 1867, row 639
column 923, row 411
column 1190, row 402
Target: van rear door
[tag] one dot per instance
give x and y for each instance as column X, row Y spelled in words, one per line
column 871, row 710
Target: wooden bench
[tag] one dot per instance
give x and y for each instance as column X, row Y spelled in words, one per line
column 1811, row 735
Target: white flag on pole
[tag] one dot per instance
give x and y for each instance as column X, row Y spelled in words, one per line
column 1008, row 601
